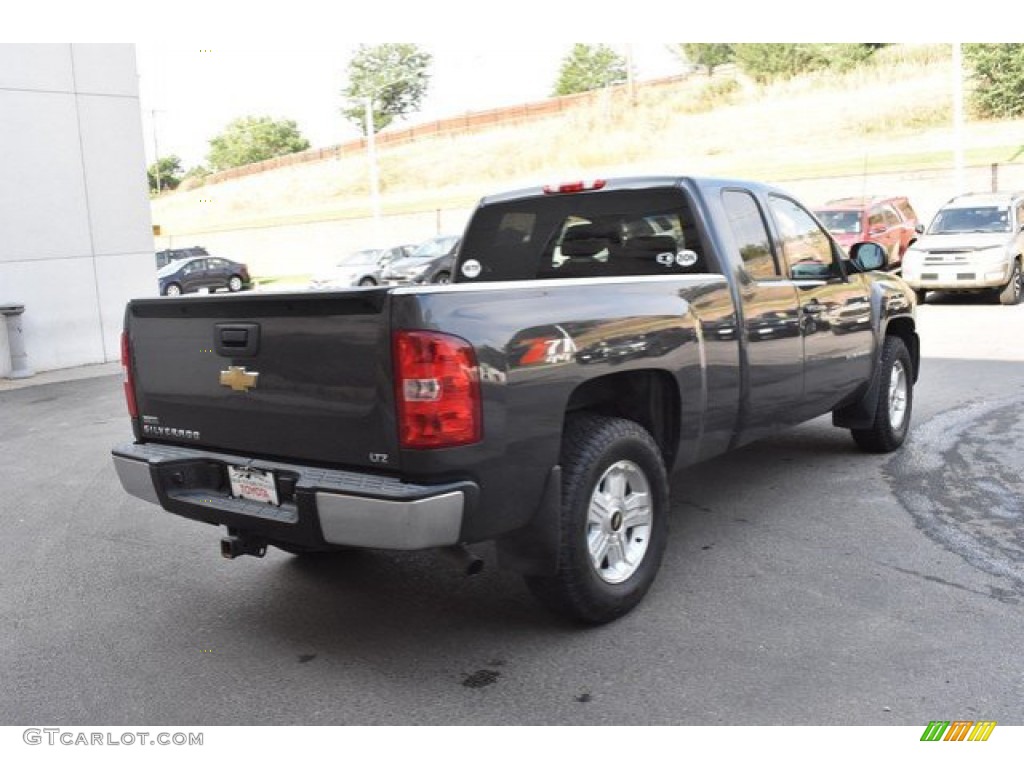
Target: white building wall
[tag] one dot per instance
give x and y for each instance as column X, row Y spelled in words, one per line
column 75, row 230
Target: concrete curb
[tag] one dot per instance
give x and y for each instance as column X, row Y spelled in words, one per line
column 62, row 374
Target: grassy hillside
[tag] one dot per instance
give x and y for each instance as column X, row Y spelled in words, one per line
column 892, row 115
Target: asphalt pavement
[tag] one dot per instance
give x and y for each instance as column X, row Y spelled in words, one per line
column 805, row 583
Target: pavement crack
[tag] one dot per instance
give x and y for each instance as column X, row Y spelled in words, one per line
column 996, row 593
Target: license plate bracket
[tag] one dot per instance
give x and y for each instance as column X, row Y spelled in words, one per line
column 253, row 484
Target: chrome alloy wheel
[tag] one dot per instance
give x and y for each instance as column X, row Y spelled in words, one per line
column 897, row 395
column 619, row 522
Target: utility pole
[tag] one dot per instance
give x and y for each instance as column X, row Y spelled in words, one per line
column 958, row 119
column 156, row 150
column 630, row 78
column 371, row 153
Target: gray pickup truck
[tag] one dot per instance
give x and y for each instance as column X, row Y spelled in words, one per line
column 595, row 338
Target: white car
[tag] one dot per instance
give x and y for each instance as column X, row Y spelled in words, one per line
column 974, row 243
column 360, row 268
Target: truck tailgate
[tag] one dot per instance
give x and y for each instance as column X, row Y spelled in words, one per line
column 303, row 376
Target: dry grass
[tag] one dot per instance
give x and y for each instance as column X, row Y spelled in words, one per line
column 893, row 113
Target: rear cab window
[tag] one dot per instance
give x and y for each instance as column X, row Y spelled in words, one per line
column 617, row 233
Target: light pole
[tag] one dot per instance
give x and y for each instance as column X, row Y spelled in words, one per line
column 156, row 151
column 371, row 153
column 371, row 150
column 958, row 119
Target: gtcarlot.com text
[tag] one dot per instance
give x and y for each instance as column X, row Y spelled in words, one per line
column 59, row 736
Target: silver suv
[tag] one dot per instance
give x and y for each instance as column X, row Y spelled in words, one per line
column 974, row 242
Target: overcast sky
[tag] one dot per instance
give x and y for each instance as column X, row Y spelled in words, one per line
column 228, row 58
column 195, row 92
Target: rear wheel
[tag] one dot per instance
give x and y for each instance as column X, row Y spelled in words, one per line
column 1011, row 292
column 613, row 520
column 443, row 278
column 235, row 284
column 366, row 281
column 895, row 401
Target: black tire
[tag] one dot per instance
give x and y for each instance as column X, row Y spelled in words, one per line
column 367, row 281
column 895, row 401
column 442, row 278
column 173, row 290
column 235, row 283
column 920, row 294
column 596, row 449
column 1011, row 292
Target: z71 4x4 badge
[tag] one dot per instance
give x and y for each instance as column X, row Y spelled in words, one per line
column 547, row 345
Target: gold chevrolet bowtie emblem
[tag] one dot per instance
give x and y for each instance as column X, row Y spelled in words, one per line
column 239, row 379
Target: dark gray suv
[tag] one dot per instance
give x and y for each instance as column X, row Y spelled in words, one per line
column 167, row 255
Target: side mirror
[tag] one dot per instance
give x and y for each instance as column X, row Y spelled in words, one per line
column 919, row 229
column 867, row 257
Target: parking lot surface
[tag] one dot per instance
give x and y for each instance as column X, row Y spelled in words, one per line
column 804, row 583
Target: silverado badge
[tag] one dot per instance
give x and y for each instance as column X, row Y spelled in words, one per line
column 239, row 379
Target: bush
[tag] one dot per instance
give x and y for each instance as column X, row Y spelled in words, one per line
column 997, row 70
column 771, row 61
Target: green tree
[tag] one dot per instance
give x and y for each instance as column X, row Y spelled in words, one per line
column 844, row 56
column 251, row 139
column 997, row 70
column 394, row 76
column 707, row 56
column 769, row 61
column 165, row 173
column 588, row 67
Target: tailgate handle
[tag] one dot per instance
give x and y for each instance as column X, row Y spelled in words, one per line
column 237, row 339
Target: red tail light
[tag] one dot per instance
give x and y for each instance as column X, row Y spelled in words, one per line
column 129, row 378
column 574, row 186
column 437, row 389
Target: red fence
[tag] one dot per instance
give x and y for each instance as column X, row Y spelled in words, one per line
column 450, row 126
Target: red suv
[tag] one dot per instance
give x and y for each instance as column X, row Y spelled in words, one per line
column 889, row 221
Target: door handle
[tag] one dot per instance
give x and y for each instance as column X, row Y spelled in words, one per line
column 236, row 339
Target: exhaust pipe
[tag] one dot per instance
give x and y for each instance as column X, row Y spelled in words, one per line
column 236, row 546
column 470, row 564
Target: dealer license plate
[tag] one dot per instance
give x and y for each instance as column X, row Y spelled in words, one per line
column 252, row 484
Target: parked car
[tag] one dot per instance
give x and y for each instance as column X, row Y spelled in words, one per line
column 431, row 262
column 167, row 255
column 889, row 221
column 360, row 268
column 195, row 273
column 975, row 242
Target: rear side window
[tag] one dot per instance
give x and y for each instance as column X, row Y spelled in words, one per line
column 750, row 233
column 906, row 209
column 620, row 233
